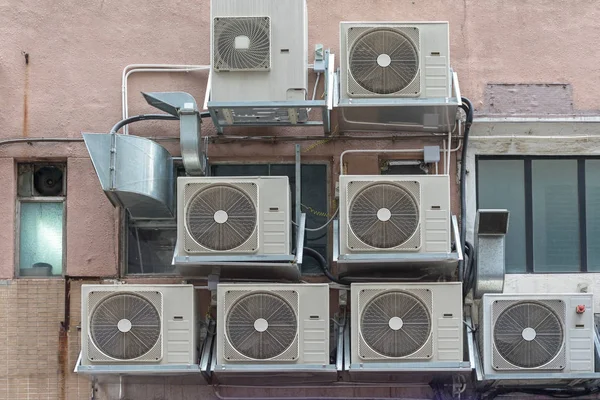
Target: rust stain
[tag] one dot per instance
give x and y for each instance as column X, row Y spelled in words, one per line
column 25, row 98
column 63, row 346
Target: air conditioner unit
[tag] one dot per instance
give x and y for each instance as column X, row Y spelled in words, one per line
column 395, row 60
column 273, row 323
column 394, row 213
column 416, row 322
column 233, row 216
column 259, row 50
column 137, row 324
column 537, row 333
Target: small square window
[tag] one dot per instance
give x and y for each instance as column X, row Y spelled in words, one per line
column 41, row 192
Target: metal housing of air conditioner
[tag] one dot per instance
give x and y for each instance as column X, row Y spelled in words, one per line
column 438, row 353
column 262, row 248
column 428, row 103
column 259, row 64
column 175, row 347
column 442, row 303
column 426, row 249
column 304, row 348
column 573, row 355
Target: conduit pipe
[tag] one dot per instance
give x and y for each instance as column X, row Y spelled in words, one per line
column 133, row 68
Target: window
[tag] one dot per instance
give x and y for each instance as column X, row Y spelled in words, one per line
column 41, row 191
column 150, row 244
column 554, row 222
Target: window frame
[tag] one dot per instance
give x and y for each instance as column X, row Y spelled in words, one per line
column 40, row 199
column 124, row 225
column 528, row 191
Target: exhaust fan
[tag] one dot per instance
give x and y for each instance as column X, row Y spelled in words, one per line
column 234, row 215
column 264, row 323
column 538, row 333
column 403, row 213
column 418, row 322
column 148, row 324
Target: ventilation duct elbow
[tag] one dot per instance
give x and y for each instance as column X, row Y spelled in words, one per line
column 135, row 173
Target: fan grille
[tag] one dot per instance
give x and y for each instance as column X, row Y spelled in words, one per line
column 221, row 217
column 395, row 324
column 254, row 35
column 383, row 215
column 383, row 61
column 261, row 326
column 528, row 334
column 125, row 326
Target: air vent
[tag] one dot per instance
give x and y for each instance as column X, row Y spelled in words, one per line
column 242, row 43
column 221, row 217
column 384, row 61
column 261, row 326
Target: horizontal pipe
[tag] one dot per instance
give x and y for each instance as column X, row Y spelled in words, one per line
column 581, row 118
column 536, row 137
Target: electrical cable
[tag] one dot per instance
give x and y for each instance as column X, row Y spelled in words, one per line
column 144, row 117
column 322, row 264
column 322, row 226
column 467, row 107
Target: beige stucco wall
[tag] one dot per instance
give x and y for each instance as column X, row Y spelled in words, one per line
column 77, row 51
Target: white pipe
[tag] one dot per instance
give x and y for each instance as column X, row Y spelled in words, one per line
column 132, row 68
column 536, row 137
column 375, row 151
column 538, row 119
column 449, row 155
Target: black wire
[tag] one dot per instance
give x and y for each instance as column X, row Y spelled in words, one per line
column 468, row 109
column 323, row 265
column 555, row 393
column 144, row 117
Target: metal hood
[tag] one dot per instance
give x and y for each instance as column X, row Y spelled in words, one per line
column 135, row 173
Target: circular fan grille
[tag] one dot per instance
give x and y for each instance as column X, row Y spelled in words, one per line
column 383, row 61
column 528, row 334
column 125, row 326
column 384, row 215
column 221, row 217
column 261, row 326
column 241, row 43
column 395, row 324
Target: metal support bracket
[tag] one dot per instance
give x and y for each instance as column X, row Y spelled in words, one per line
column 276, row 113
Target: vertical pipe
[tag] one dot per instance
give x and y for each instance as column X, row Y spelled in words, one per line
column 298, row 185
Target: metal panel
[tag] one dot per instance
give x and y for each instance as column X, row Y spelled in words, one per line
column 135, row 173
column 276, row 113
column 437, row 115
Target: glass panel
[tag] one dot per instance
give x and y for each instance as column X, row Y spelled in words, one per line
column 555, row 216
column 592, row 212
column 501, row 184
column 41, row 239
column 150, row 249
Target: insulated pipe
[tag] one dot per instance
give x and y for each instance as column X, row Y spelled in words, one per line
column 142, row 117
column 132, row 68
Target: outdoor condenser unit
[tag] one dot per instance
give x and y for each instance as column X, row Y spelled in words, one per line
column 537, row 333
column 259, row 50
column 233, row 216
column 273, row 323
column 406, row 322
column 400, row 213
column 138, row 324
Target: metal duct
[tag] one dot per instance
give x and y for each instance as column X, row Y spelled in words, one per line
column 183, row 106
column 490, row 229
column 135, row 173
